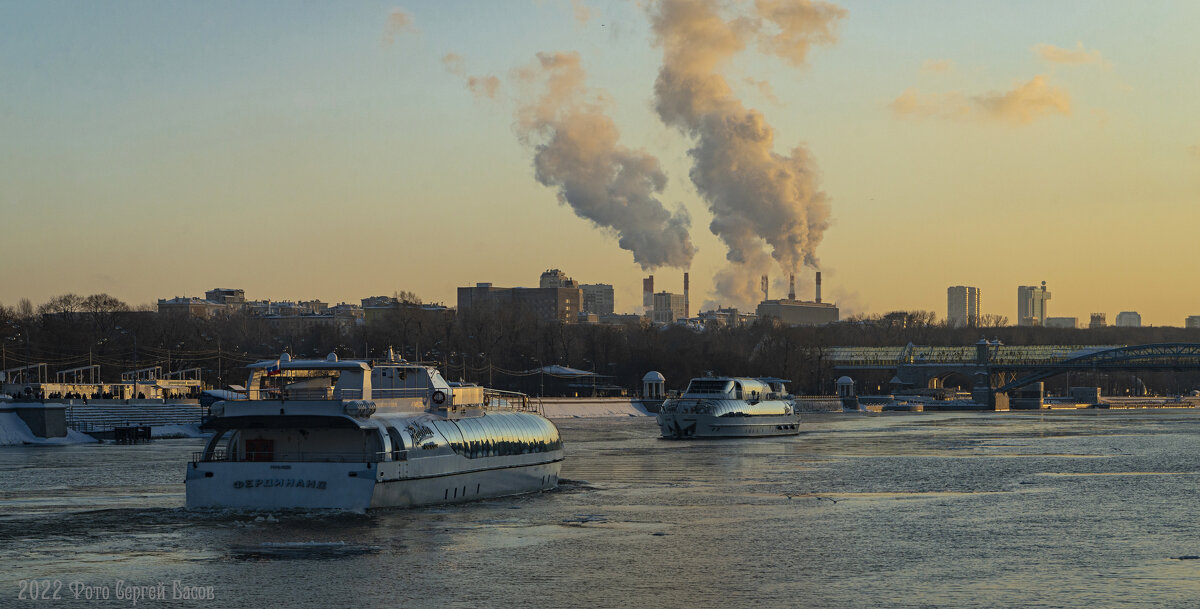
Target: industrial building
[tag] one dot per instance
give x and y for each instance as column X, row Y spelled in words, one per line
column 794, row 312
column 598, row 298
column 1031, row 305
column 1098, row 321
column 1062, row 322
column 1129, row 319
column 665, row 307
column 668, row 308
column 963, row 306
column 550, row 303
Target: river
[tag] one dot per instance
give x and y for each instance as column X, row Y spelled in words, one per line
column 1056, row 509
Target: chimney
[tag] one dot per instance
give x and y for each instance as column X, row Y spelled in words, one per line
column 792, row 286
column 765, row 284
column 818, row 286
column 687, row 309
column 648, row 293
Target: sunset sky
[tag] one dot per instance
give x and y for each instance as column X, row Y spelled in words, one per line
column 343, row 150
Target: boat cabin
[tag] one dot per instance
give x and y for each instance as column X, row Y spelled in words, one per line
column 737, row 388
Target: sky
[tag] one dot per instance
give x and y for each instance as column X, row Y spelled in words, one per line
column 336, row 151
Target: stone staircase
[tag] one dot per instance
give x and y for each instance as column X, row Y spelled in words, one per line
column 98, row 416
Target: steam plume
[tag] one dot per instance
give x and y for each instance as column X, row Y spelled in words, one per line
column 480, row 86
column 398, row 23
column 577, row 151
column 760, row 200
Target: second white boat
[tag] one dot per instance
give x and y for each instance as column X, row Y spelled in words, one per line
column 716, row 407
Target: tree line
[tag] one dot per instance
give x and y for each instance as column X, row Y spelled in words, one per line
column 497, row 345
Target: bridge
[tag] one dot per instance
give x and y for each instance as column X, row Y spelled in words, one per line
column 1002, row 368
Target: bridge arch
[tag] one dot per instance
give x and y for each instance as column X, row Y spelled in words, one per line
column 1160, row 356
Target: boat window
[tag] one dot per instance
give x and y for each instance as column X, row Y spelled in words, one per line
column 707, row 386
column 397, row 443
column 260, row 449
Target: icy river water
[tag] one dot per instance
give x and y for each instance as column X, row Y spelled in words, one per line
column 1081, row 509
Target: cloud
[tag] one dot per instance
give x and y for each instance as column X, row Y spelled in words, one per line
column 937, row 66
column 398, row 24
column 797, row 26
column 480, row 86
column 1027, row 102
column 484, row 86
column 583, row 13
column 577, row 151
column 930, row 105
column 1022, row 105
column 764, row 89
column 1076, row 56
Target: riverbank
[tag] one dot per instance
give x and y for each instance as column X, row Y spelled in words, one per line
column 14, row 432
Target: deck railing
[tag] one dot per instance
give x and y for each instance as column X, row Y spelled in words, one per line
column 512, row 400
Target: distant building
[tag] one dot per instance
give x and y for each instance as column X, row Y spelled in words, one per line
column 559, row 304
column 1031, row 305
column 376, row 308
column 191, row 307
column 1193, row 321
column 226, row 296
column 963, row 305
column 725, row 318
column 1129, row 319
column 794, row 312
column 669, row 307
column 622, row 319
column 1062, row 322
column 598, row 298
column 554, row 278
column 798, row 313
column 1098, row 321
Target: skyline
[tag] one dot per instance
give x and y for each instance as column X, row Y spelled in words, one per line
column 161, row 150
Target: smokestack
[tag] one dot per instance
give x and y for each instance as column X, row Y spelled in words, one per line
column 648, row 293
column 792, row 286
column 818, row 286
column 687, row 309
column 765, row 285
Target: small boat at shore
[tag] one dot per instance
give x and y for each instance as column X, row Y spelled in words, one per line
column 350, row 434
column 740, row 407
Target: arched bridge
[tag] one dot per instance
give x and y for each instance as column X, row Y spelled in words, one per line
column 1164, row 356
column 1004, row 368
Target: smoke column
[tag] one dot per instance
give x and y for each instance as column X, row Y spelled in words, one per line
column 576, row 150
column 765, row 205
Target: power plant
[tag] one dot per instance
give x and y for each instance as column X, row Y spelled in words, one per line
column 665, row 307
column 794, row 312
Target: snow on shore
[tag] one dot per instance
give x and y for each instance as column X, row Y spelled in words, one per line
column 576, row 408
column 177, row 431
column 14, row 432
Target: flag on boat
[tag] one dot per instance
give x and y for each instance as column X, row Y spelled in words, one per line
column 273, row 369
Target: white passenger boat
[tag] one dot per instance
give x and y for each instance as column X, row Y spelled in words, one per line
column 714, row 407
column 355, row 434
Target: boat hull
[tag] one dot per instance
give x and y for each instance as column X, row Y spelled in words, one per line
column 683, row 426
column 354, row 486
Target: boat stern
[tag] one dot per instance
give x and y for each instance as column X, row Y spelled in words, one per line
column 276, row 486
